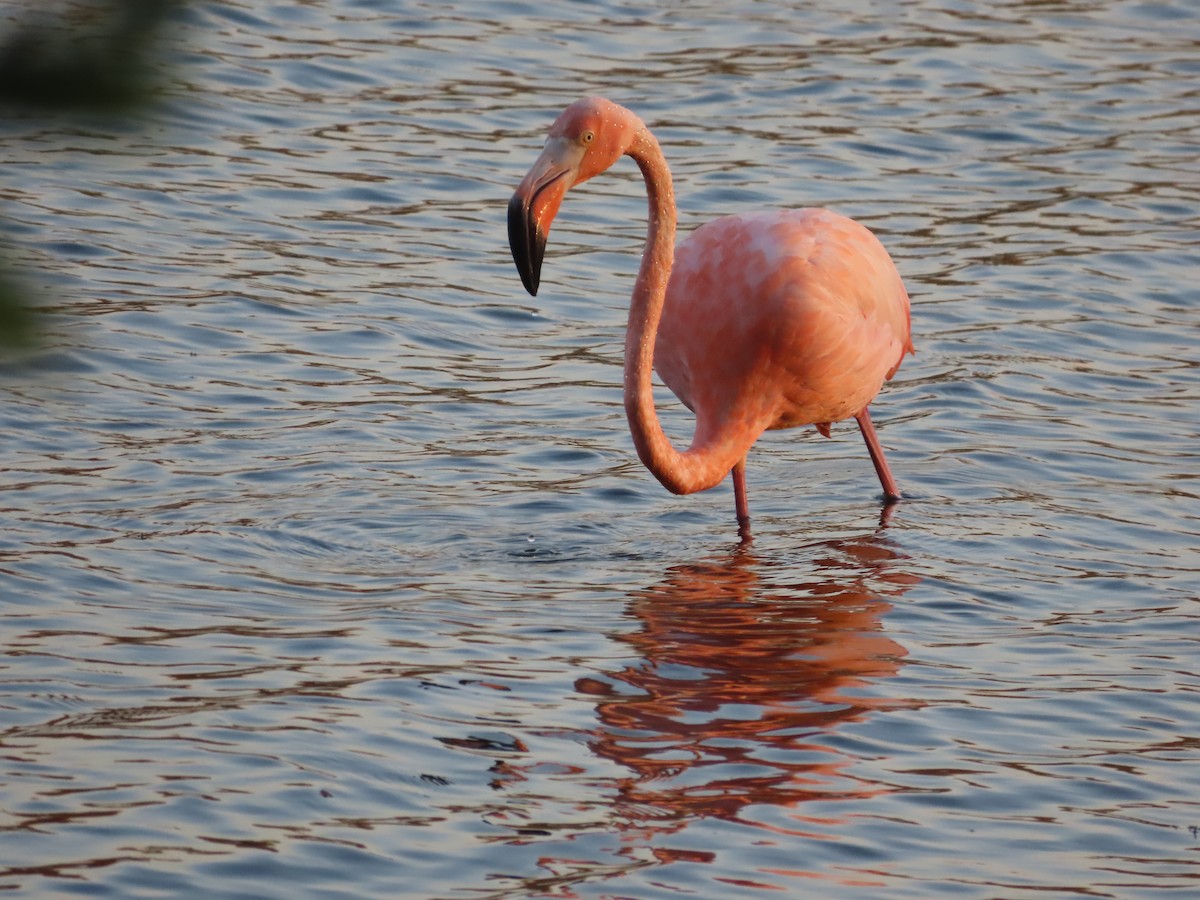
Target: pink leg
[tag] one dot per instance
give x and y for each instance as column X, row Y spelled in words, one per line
column 890, row 490
column 739, row 499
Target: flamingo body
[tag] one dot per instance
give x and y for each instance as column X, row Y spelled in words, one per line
column 780, row 319
column 769, row 320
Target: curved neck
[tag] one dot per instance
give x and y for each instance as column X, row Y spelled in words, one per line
column 679, row 472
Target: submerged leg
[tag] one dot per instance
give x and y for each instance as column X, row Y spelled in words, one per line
column 739, row 499
column 890, row 490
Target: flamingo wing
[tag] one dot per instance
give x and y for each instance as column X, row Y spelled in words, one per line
column 780, row 319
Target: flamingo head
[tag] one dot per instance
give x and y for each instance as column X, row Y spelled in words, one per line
column 588, row 136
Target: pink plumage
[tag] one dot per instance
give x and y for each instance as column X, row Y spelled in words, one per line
column 799, row 312
column 768, row 320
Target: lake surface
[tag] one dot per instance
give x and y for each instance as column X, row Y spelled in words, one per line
column 327, row 566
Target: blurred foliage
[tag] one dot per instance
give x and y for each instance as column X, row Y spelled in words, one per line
column 89, row 57
column 85, row 58
column 18, row 324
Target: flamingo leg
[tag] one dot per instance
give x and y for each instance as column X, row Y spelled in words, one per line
column 891, row 491
column 739, row 498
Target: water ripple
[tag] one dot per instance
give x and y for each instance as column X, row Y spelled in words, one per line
column 327, row 567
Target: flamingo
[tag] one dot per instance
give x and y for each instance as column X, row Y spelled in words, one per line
column 768, row 320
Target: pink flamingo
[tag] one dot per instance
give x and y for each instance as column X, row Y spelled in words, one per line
column 770, row 320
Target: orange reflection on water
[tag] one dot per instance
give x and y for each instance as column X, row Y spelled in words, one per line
column 742, row 679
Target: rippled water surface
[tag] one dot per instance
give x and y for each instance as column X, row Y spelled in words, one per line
column 327, row 565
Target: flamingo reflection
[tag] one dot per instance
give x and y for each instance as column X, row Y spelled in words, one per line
column 743, row 674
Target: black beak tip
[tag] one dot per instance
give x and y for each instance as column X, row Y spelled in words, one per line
column 527, row 244
column 531, row 281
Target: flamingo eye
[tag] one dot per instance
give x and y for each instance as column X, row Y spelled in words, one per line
column 587, row 137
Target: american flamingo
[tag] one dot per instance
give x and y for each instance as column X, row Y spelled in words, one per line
column 769, row 320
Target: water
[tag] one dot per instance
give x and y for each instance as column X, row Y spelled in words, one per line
column 328, row 568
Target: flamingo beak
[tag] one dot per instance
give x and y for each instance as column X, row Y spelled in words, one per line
column 536, row 202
